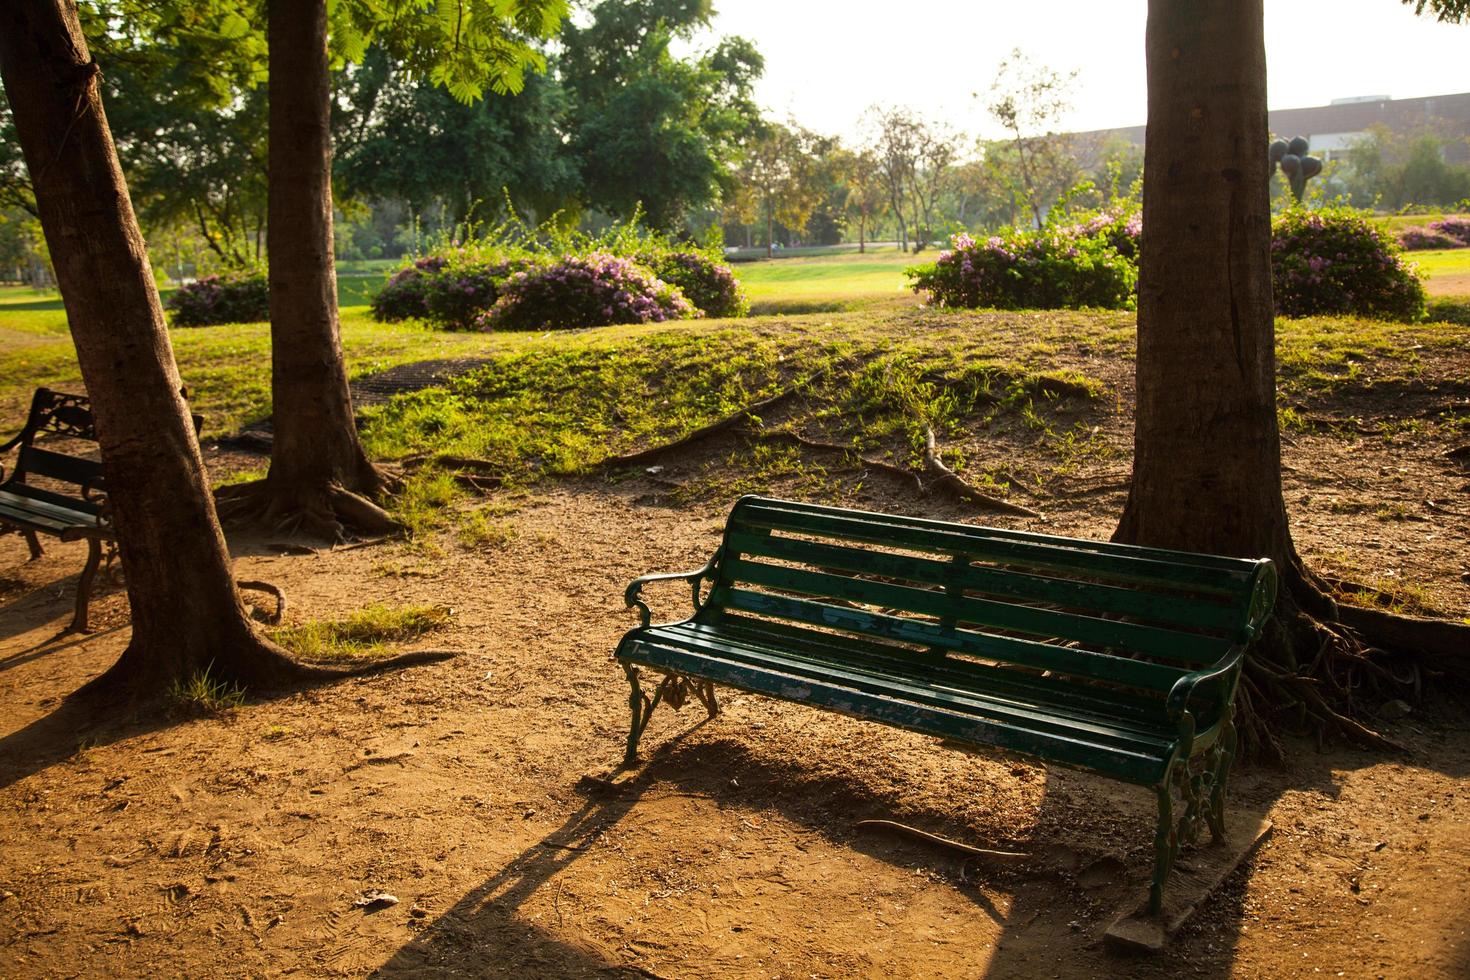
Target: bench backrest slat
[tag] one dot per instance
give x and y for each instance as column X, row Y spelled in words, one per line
column 1187, row 611
column 1001, row 649
column 1130, row 616
column 58, row 466
column 1031, row 620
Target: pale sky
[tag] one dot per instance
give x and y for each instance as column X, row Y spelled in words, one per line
column 828, row 60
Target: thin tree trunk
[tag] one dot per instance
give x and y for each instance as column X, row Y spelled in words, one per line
column 186, row 613
column 320, row 479
column 770, row 233
column 862, row 230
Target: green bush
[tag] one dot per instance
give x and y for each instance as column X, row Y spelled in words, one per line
column 1054, row 268
column 242, row 297
column 585, row 291
column 1333, row 260
column 710, row 285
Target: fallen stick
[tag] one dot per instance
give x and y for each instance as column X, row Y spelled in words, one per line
column 915, row 833
column 948, row 479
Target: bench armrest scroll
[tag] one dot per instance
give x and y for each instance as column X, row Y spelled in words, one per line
column 1183, row 690
column 694, row 578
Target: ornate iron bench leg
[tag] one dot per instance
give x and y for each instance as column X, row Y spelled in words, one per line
column 641, row 707
column 34, row 543
column 1166, row 845
column 84, row 586
column 1222, row 754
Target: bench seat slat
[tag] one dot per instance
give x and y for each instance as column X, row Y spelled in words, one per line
column 1038, row 716
column 1190, row 648
column 44, row 514
column 1124, row 761
column 1168, row 609
column 1030, row 653
column 946, row 682
column 1120, row 705
column 1095, row 558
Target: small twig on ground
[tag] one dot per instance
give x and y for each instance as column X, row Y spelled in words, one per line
column 915, row 833
column 951, row 481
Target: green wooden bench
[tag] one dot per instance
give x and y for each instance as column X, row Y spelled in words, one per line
column 1114, row 659
column 70, row 500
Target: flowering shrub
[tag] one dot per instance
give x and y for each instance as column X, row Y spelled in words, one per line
column 585, row 291
column 1456, row 227
column 1333, row 260
column 1053, row 268
column 1121, row 229
column 237, row 298
column 462, row 291
column 449, row 291
column 711, row 286
column 406, row 295
column 1419, row 238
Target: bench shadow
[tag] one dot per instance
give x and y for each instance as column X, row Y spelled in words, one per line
column 484, row 919
column 1048, row 916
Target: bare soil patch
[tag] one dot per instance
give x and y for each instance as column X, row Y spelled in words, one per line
column 241, row 844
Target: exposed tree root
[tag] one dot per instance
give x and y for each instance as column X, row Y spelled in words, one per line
column 787, row 435
column 272, row 619
column 1322, row 667
column 714, row 428
column 329, row 513
column 251, row 663
column 914, row 833
column 948, row 480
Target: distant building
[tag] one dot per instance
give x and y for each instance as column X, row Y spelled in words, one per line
column 1333, row 128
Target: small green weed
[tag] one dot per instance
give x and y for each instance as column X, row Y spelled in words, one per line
column 479, row 531
column 366, row 633
column 204, row 693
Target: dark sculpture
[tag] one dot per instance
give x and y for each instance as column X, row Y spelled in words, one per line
column 1299, row 168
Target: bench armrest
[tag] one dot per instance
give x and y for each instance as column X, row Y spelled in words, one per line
column 694, row 578
column 1183, row 690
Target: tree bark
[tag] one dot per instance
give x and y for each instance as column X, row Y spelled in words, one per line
column 1207, row 451
column 319, row 478
column 1207, row 455
column 186, row 613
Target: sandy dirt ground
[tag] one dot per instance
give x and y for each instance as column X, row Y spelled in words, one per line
column 239, row 844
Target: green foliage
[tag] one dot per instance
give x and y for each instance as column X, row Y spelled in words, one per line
column 647, row 127
column 366, row 633
column 709, row 285
column 1333, row 260
column 1051, row 268
column 404, row 138
column 241, row 297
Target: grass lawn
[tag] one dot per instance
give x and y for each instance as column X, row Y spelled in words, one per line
column 833, row 282
column 1447, row 272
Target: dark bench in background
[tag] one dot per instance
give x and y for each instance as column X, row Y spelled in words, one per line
column 71, row 502
column 1117, row 660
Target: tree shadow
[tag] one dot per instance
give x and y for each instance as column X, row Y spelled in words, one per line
column 74, row 726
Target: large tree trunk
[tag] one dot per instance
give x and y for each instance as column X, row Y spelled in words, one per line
column 1207, row 457
column 187, row 615
column 320, row 478
column 1207, row 452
